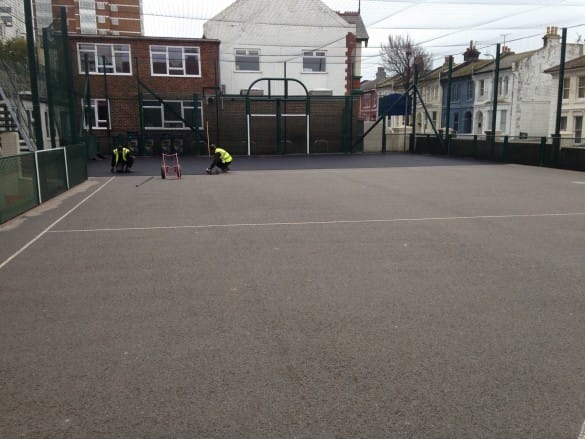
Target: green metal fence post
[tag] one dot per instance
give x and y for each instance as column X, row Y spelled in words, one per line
column 542, row 150
column 50, row 96
column 505, row 149
column 384, row 145
column 73, row 134
column 448, row 115
column 32, row 67
column 495, row 103
column 279, row 142
column 108, row 132
column 557, row 135
column 196, row 116
column 141, row 142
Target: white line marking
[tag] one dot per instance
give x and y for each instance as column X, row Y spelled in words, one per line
column 305, row 223
column 582, row 434
column 579, row 182
column 40, row 235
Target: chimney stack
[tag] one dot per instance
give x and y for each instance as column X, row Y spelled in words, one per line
column 552, row 34
column 380, row 74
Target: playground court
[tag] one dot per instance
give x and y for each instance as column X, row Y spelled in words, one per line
column 367, row 296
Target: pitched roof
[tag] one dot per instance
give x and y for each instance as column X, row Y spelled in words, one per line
column 506, row 61
column 466, row 68
column 576, row 63
column 272, row 11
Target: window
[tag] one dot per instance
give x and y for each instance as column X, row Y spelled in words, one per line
column 116, row 56
column 481, row 87
column 506, row 85
column 115, row 21
column 314, row 61
column 581, row 93
column 455, row 96
column 159, row 115
column 101, row 19
column 101, row 5
column 456, row 121
column 175, row 61
column 114, row 8
column 470, row 89
column 98, row 114
column 578, row 128
column 434, row 114
column 248, row 60
column 566, row 88
column 467, row 122
column 503, row 120
column 564, row 123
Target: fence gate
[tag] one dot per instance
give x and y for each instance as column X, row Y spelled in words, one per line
column 278, row 124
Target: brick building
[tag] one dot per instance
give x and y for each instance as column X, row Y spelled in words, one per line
column 151, row 89
column 91, row 17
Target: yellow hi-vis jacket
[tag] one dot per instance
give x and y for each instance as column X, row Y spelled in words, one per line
column 224, row 156
column 125, row 152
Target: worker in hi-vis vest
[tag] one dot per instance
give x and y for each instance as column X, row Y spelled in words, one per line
column 122, row 159
column 221, row 158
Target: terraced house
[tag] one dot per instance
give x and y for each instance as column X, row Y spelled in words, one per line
column 573, row 102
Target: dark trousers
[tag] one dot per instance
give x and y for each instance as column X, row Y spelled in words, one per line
column 125, row 164
column 217, row 162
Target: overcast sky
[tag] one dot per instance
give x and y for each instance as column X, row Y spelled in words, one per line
column 443, row 27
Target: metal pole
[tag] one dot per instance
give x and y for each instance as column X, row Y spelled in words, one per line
column 415, row 80
column 50, row 96
column 107, row 99
column 32, row 67
column 557, row 136
column 448, row 115
column 87, row 97
column 69, row 77
column 217, row 124
column 495, row 99
column 142, row 143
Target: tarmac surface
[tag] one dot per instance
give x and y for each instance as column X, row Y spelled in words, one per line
column 363, row 296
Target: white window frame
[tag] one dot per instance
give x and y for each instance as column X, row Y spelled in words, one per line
column 152, row 104
column 566, row 88
column 95, row 61
column 93, row 103
column 113, row 7
column 249, row 54
column 186, row 51
column 581, row 87
column 312, row 55
column 101, row 19
column 503, row 120
column 100, row 5
column 481, row 87
column 115, row 21
column 578, row 128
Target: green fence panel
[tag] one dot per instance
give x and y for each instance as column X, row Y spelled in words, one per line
column 18, row 185
column 77, row 164
column 52, row 173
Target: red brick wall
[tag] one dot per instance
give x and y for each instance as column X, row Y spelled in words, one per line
column 123, row 89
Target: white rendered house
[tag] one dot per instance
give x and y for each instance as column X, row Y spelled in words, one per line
column 301, row 39
column 573, row 102
column 525, row 91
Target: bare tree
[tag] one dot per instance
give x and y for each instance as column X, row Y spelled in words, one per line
column 399, row 56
